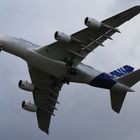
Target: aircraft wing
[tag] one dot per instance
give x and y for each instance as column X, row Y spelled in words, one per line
column 87, row 39
column 45, row 96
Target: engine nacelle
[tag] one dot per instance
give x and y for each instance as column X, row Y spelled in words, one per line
column 28, row 106
column 25, row 85
column 92, row 23
column 62, row 37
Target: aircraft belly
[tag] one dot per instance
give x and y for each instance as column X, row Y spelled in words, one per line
column 84, row 74
column 52, row 67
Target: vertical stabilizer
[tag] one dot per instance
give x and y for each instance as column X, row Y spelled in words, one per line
column 121, row 71
column 117, row 95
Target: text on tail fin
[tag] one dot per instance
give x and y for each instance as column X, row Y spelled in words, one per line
column 121, row 71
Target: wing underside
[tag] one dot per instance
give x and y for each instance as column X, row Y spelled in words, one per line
column 45, row 96
column 87, row 39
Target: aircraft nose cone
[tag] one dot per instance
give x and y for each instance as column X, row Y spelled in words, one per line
column 2, row 41
column 3, row 38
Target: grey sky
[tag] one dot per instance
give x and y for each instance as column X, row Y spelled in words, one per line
column 84, row 112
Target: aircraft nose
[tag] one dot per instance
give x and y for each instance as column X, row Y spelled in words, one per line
column 3, row 39
column 4, row 42
column 0, row 47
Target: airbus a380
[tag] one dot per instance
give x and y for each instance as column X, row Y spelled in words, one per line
column 53, row 65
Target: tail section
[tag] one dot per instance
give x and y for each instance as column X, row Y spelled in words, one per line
column 117, row 95
column 121, row 71
column 130, row 79
column 117, row 99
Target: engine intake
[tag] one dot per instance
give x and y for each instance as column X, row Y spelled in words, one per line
column 92, row 23
column 28, row 106
column 25, row 85
column 62, row 37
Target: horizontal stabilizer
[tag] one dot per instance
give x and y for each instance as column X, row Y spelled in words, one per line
column 130, row 79
column 118, row 96
column 117, row 99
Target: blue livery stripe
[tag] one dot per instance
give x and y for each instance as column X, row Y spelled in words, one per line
column 121, row 71
column 103, row 81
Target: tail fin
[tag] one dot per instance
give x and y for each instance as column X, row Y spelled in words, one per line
column 118, row 96
column 121, row 71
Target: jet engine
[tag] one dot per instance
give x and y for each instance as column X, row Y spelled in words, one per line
column 25, row 85
column 62, row 37
column 28, row 106
column 92, row 23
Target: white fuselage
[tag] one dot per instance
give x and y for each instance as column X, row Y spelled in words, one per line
column 84, row 74
column 27, row 51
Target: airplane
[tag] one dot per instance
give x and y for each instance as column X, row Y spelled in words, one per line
column 60, row 63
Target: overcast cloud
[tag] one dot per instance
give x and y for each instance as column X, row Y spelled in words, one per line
column 84, row 112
